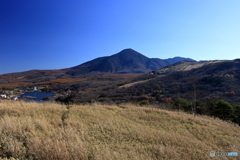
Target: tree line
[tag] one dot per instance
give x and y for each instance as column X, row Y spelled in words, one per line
column 220, row 109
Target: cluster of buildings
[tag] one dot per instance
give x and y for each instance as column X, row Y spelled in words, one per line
column 4, row 96
column 14, row 93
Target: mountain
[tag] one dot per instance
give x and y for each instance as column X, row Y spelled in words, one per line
column 126, row 61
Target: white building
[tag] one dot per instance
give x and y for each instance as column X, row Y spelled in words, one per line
column 14, row 98
column 3, row 96
column 68, row 91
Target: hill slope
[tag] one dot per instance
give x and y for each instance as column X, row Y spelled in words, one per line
column 214, row 80
column 53, row 131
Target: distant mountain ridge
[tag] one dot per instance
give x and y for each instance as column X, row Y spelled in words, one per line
column 126, row 61
column 178, row 59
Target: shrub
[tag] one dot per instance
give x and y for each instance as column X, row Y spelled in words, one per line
column 144, row 103
column 182, row 104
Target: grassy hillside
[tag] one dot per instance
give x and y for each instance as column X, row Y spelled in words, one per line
column 54, row 131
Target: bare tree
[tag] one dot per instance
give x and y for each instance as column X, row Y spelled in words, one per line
column 194, row 96
column 178, row 94
column 194, row 99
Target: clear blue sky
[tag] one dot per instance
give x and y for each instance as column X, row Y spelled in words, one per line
column 55, row 34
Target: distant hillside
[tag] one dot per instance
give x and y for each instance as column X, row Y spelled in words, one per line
column 184, row 65
column 210, row 80
column 214, row 80
column 28, row 77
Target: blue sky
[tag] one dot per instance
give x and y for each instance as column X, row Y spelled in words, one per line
column 55, row 34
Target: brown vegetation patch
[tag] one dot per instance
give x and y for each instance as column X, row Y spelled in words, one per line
column 61, row 80
column 14, row 85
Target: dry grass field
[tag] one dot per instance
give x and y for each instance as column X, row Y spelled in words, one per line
column 48, row 131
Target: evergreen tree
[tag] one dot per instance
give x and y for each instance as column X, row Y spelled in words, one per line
column 237, row 114
column 223, row 110
column 182, row 104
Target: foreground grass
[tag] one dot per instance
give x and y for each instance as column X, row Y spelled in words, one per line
column 58, row 132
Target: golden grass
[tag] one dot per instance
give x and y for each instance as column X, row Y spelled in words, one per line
column 94, row 131
column 133, row 83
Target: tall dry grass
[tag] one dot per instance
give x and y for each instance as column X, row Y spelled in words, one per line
column 43, row 131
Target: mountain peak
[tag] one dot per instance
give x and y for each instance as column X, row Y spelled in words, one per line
column 130, row 54
column 128, row 51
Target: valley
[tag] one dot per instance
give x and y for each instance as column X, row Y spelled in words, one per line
column 190, row 86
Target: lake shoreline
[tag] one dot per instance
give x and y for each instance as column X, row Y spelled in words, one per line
column 36, row 96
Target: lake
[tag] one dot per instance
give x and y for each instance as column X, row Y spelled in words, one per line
column 36, row 96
